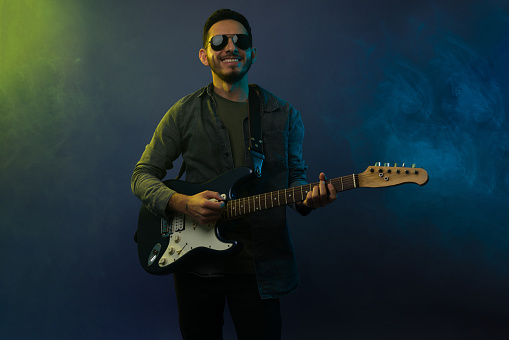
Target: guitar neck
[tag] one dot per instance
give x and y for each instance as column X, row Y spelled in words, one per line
column 243, row 206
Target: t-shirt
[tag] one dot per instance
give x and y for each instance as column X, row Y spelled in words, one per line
column 232, row 115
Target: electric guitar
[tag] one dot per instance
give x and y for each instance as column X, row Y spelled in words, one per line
column 164, row 244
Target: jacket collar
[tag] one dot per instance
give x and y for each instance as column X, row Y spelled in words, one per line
column 269, row 101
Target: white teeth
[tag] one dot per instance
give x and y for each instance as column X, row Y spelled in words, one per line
column 231, row 60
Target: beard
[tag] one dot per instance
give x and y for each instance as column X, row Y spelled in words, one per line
column 227, row 75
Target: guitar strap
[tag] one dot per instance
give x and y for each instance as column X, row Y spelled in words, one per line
column 255, row 131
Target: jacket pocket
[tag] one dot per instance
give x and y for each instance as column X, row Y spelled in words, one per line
column 275, row 148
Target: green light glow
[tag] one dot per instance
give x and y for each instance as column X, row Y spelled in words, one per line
column 39, row 55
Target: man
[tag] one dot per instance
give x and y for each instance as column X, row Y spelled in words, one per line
column 210, row 129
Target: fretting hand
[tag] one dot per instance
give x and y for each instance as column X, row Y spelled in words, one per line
column 320, row 195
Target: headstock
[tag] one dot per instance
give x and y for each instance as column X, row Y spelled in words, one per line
column 378, row 176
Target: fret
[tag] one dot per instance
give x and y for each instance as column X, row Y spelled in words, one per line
column 237, row 207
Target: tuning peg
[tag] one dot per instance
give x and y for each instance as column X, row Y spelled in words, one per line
column 395, row 165
column 403, row 165
column 378, row 163
column 413, row 166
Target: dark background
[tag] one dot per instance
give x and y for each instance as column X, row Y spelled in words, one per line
column 83, row 85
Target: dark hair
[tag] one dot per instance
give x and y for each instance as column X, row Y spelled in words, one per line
column 225, row 14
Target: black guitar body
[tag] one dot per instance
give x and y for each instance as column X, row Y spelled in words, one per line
column 166, row 244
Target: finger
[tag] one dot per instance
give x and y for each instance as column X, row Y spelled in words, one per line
column 313, row 197
column 213, row 205
column 308, row 201
column 316, row 192
column 212, row 194
column 332, row 192
column 214, row 200
column 207, row 215
column 323, row 193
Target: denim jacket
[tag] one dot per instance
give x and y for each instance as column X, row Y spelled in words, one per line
column 191, row 128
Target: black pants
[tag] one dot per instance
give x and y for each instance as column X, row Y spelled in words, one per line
column 201, row 303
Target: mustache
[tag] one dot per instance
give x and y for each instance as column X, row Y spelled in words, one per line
column 230, row 55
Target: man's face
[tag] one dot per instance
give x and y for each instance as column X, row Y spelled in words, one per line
column 231, row 63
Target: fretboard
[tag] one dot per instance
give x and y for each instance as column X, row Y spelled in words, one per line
column 243, row 206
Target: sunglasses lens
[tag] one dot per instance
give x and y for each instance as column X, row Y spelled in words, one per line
column 218, row 42
column 242, row 41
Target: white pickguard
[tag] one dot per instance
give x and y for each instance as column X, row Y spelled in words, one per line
column 186, row 235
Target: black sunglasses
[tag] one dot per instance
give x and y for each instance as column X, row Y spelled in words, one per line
column 218, row 42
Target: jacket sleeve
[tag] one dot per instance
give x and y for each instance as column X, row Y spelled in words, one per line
column 296, row 165
column 159, row 154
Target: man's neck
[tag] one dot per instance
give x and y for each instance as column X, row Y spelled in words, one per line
column 238, row 92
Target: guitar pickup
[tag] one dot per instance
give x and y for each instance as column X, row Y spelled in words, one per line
column 165, row 228
column 177, row 224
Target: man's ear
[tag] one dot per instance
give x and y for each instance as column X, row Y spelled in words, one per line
column 253, row 55
column 203, row 57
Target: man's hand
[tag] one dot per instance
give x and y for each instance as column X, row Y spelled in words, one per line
column 320, row 195
column 204, row 207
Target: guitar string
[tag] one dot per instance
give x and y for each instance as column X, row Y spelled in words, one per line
column 237, row 207
column 277, row 198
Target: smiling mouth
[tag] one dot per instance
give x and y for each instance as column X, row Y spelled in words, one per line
column 231, row 59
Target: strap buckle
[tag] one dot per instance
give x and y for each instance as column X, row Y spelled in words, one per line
column 257, row 159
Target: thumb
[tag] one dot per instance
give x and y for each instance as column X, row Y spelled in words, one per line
column 322, row 177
